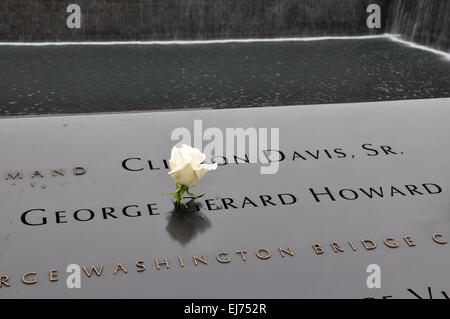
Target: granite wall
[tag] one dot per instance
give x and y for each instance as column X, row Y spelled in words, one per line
column 45, row 20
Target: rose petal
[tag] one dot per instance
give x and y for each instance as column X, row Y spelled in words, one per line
column 185, row 176
column 186, row 167
column 202, row 169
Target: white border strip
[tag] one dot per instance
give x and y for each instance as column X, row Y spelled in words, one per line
column 396, row 38
column 424, row 102
column 392, row 37
column 186, row 42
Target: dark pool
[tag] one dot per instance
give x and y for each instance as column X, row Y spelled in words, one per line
column 83, row 79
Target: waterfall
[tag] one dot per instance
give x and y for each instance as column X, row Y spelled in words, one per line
column 45, row 20
column 421, row 21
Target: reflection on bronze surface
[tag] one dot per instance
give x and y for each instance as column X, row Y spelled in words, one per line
column 186, row 223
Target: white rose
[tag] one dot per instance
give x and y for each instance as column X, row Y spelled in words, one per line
column 186, row 165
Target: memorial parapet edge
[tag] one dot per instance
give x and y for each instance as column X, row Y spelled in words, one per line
column 360, row 199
